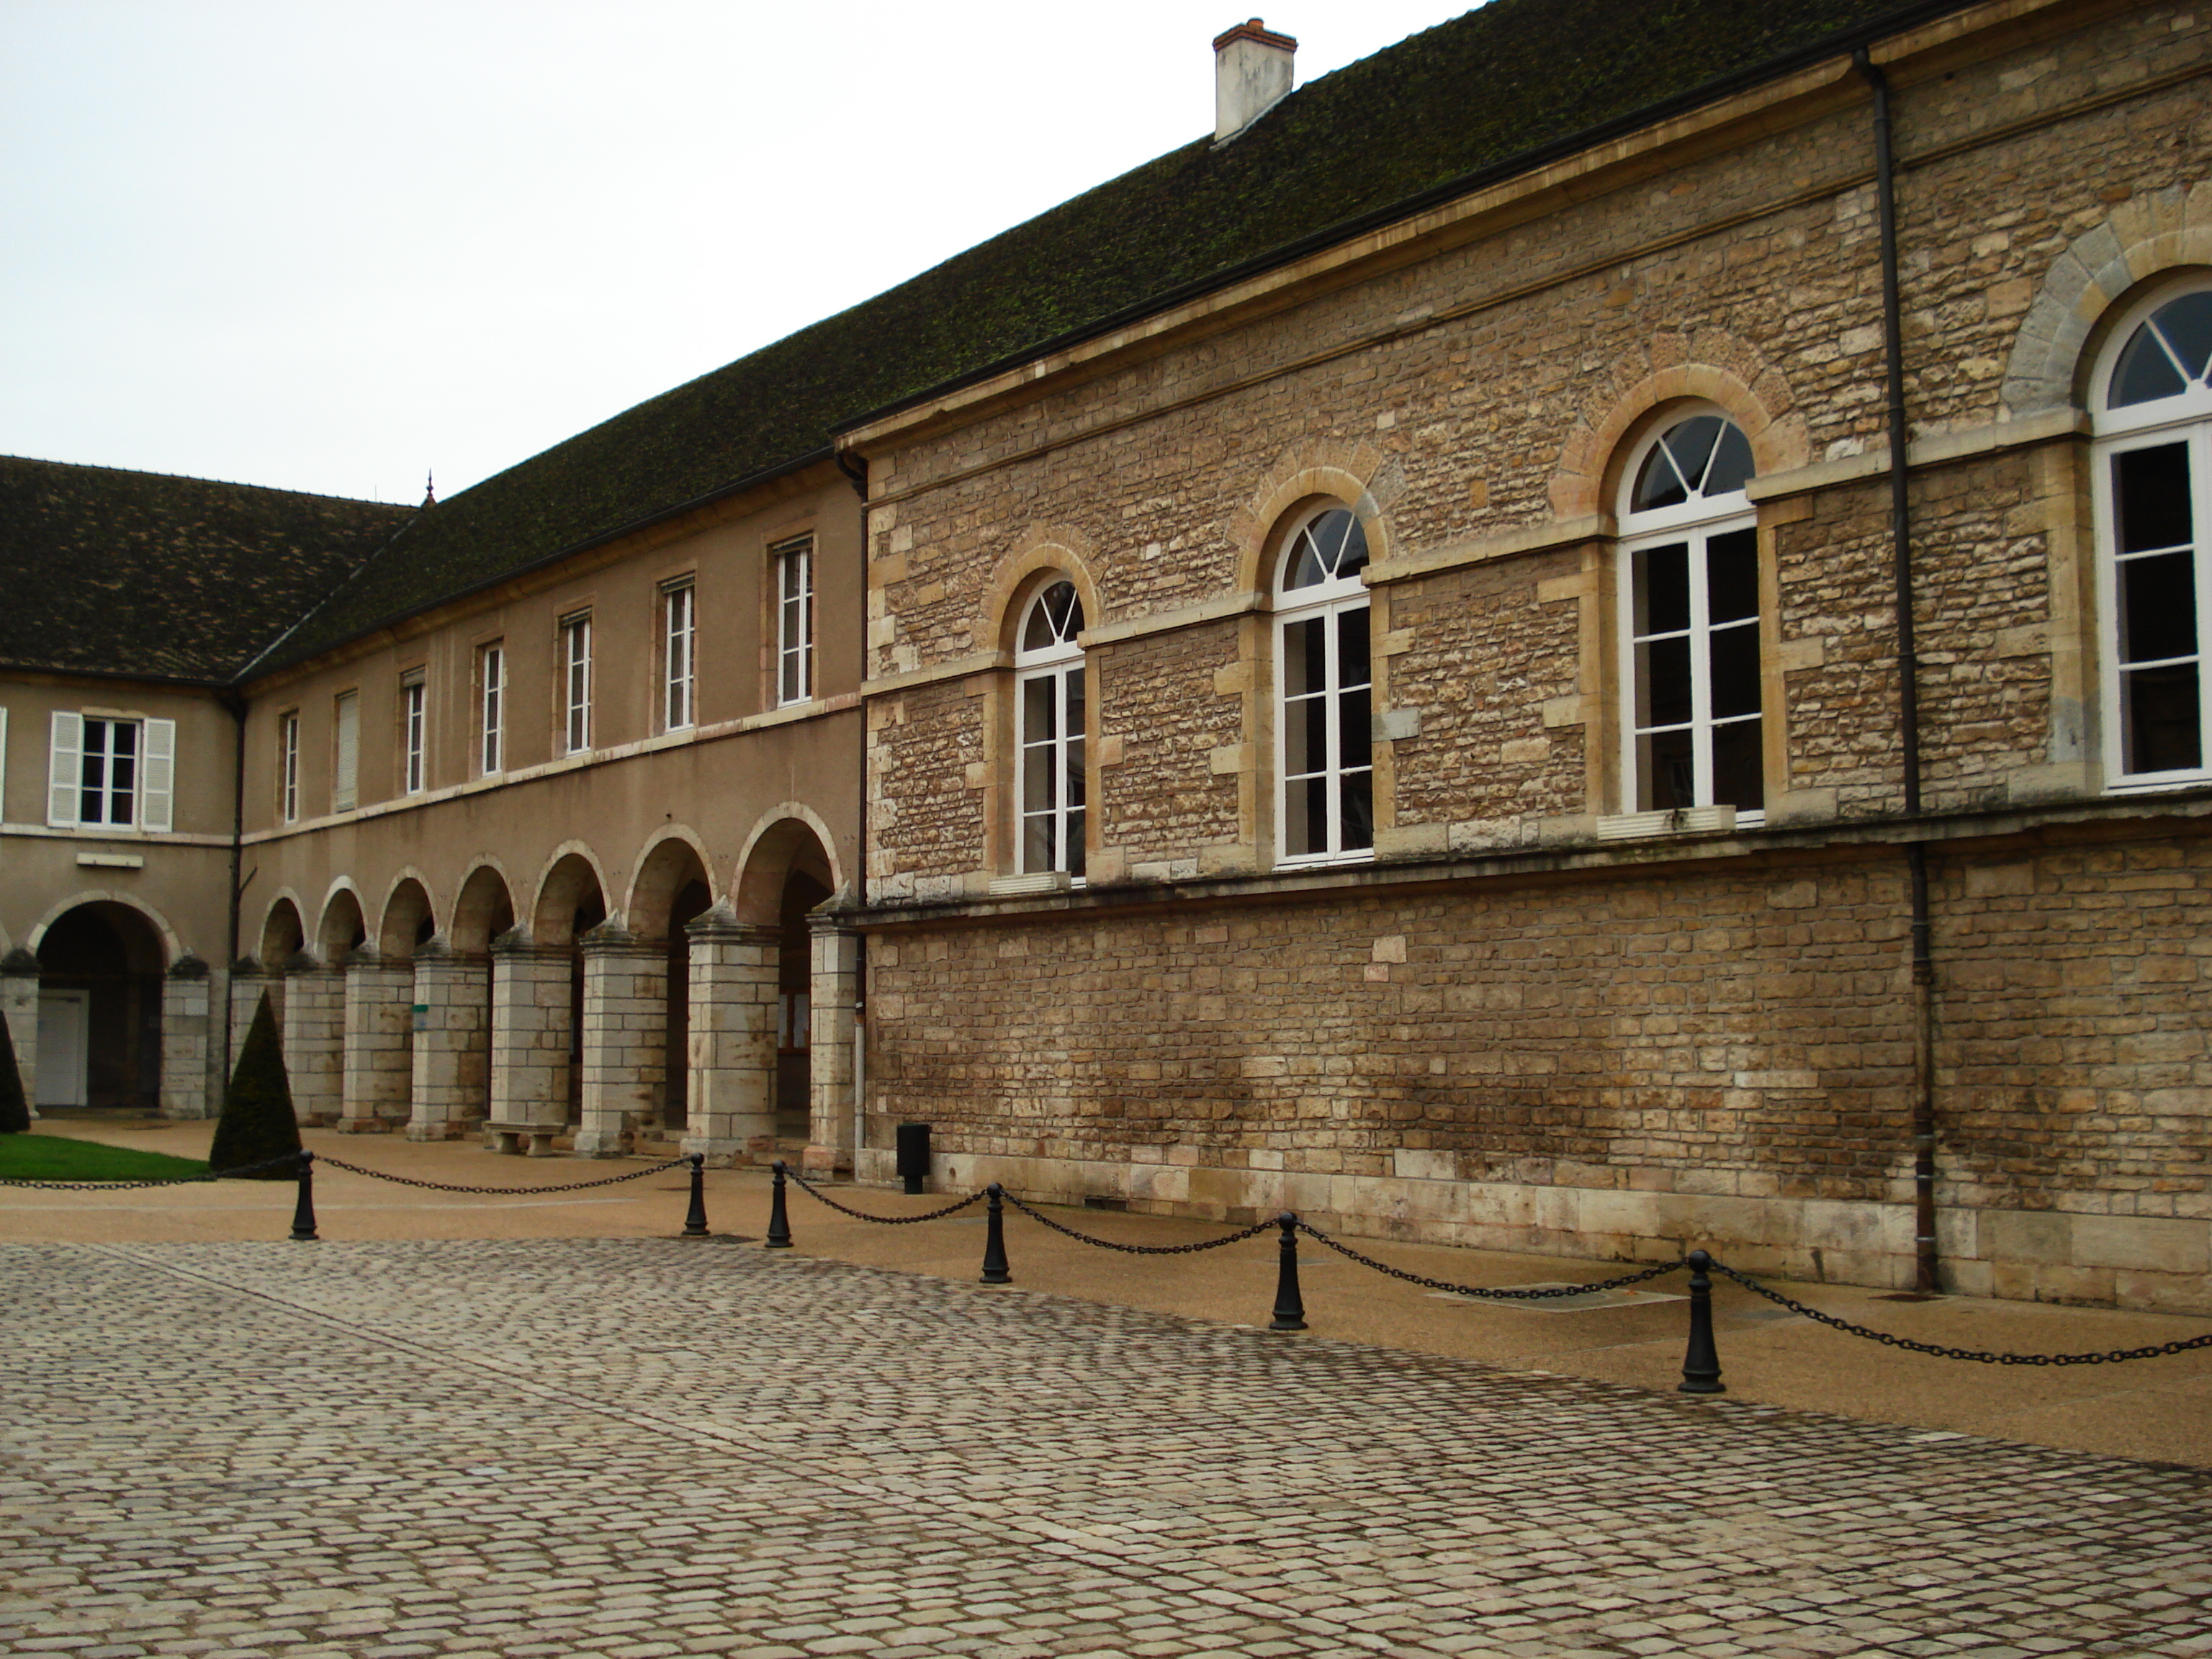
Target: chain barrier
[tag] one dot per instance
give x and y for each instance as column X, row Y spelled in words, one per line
column 808, row 1188
column 500, row 1192
column 1484, row 1293
column 1253, row 1230
column 288, row 1161
column 1890, row 1339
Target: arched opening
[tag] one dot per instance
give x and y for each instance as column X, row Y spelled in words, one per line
column 672, row 890
column 451, row 1088
column 570, row 904
column 100, row 1009
column 483, row 911
column 787, row 875
column 343, row 929
column 408, row 922
column 281, row 935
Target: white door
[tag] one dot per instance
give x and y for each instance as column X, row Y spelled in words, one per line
column 64, row 1030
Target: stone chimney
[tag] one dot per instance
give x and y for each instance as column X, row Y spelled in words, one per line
column 1251, row 76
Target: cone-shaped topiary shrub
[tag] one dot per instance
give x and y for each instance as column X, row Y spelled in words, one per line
column 14, row 1110
column 257, row 1123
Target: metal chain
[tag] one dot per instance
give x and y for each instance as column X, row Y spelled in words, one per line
column 499, row 1192
column 807, row 1187
column 1137, row 1249
column 1484, row 1293
column 1891, row 1339
column 289, row 1159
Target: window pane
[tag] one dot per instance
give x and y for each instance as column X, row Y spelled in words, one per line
column 1306, row 804
column 1037, row 849
column 1737, row 779
column 1662, row 588
column 1351, row 662
column 1075, row 849
column 2145, row 371
column 1354, row 735
column 2187, row 326
column 1072, row 773
column 1657, row 484
column 2158, row 607
column 1351, row 547
column 1735, row 671
column 1666, row 774
column 1072, row 680
column 1040, row 713
column 1663, row 683
column 2150, row 493
column 1305, row 660
column 1305, row 737
column 1358, row 806
column 1732, row 463
column 1732, row 576
column 1692, row 442
column 2163, row 718
column 1037, row 778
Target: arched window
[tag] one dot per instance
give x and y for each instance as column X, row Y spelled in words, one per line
column 1323, row 739
column 1689, row 563
column 1049, row 721
column 2153, row 484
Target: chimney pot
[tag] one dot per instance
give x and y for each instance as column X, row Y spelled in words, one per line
column 1252, row 73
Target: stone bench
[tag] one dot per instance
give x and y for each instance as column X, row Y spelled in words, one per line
column 528, row 1139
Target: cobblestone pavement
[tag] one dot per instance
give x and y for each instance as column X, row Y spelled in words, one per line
column 629, row 1448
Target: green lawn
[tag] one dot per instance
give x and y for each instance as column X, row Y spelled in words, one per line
column 51, row 1157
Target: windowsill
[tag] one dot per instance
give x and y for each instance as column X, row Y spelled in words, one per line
column 1325, row 860
column 2162, row 784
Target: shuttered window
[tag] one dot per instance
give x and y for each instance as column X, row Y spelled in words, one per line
column 110, row 772
column 345, row 777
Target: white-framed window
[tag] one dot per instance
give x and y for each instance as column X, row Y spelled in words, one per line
column 1324, row 718
column 491, row 707
column 2152, row 484
column 1049, row 725
column 677, row 662
column 413, row 696
column 794, row 619
column 1693, row 718
column 110, row 771
column 345, row 767
column 288, row 767
column 576, row 683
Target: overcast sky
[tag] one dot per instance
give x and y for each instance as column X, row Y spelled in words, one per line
column 329, row 247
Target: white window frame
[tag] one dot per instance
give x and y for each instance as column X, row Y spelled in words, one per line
column 678, row 659
column 2184, row 419
column 414, row 718
column 1694, row 525
column 345, row 751
column 491, row 698
column 794, row 620
column 1057, row 665
column 576, row 683
column 288, row 766
column 82, row 789
column 1326, row 602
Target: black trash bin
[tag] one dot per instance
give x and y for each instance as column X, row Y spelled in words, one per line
column 914, row 1156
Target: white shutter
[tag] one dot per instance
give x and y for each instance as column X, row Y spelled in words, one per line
column 157, row 769
column 345, row 788
column 65, row 774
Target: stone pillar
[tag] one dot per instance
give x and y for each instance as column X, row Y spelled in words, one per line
column 625, row 1040
column 380, row 1043
column 529, row 1045
column 833, row 988
column 451, row 1088
column 19, row 1006
column 314, row 1037
column 187, row 1042
column 732, row 1104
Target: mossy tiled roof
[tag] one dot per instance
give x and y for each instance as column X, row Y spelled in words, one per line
column 138, row 572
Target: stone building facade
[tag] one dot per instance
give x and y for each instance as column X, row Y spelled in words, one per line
column 1608, row 665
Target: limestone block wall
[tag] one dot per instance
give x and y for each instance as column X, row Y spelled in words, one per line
column 314, row 1038
column 530, row 1032
column 625, row 1040
column 189, row 1063
column 450, row 1087
column 379, row 1060
column 730, row 1109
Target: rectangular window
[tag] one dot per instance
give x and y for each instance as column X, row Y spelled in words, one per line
column 110, row 771
column 491, row 695
column 576, row 683
column 345, row 771
column 676, row 656
column 2158, row 577
column 288, row 767
column 107, row 773
column 1326, row 734
column 1052, row 729
column 794, row 619
column 1694, row 714
column 411, row 697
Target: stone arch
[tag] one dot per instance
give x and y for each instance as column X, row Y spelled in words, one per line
column 1587, row 480
column 1037, row 555
column 171, row 949
column 283, row 935
column 408, row 919
column 344, row 927
column 1362, row 477
column 103, row 1021
column 788, row 838
column 2153, row 235
column 672, row 858
column 484, row 910
column 573, row 886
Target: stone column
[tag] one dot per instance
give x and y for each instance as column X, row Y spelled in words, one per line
column 187, row 1042
column 19, row 1006
column 314, row 1037
column 733, row 1060
column 529, row 1041
column 833, row 987
column 380, row 1043
column 451, row 1087
column 625, row 1039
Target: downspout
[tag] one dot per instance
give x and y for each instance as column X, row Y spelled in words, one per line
column 235, row 703
column 1926, row 1262
column 855, row 469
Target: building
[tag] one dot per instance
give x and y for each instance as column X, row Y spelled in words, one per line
column 1563, row 650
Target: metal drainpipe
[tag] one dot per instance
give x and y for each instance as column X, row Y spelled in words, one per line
column 1926, row 1262
column 235, row 704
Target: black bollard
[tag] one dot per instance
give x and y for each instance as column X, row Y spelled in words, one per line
column 695, row 1223
column 994, row 1240
column 779, row 1217
column 303, row 1212
column 1701, row 1362
column 1289, row 1308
